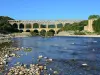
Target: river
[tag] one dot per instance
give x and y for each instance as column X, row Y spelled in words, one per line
column 68, row 53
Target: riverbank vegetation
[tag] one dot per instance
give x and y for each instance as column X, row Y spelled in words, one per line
column 5, row 26
column 42, row 33
column 75, row 26
column 96, row 25
column 78, row 27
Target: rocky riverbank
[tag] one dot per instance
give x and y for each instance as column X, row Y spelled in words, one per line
column 79, row 35
column 23, row 34
column 20, row 68
column 5, row 38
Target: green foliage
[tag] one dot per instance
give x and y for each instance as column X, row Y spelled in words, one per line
column 43, row 33
column 79, row 33
column 93, row 16
column 50, row 33
column 28, row 25
column 51, row 26
column 75, row 26
column 59, row 25
column 35, row 25
column 33, row 33
column 83, row 23
column 43, row 26
column 5, row 27
column 96, row 25
column 28, row 49
column 72, row 27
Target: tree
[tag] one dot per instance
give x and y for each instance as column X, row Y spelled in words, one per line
column 83, row 23
column 96, row 25
column 4, row 24
column 50, row 33
column 94, row 16
column 42, row 32
column 35, row 25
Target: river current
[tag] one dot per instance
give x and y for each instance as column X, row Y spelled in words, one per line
column 68, row 53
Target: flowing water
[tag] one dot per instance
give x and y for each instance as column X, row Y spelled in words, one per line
column 68, row 53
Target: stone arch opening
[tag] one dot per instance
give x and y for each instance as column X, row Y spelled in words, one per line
column 20, row 30
column 59, row 25
column 28, row 25
column 21, row 26
column 51, row 26
column 43, row 32
column 27, row 30
column 36, row 32
column 15, row 26
column 51, row 32
column 35, row 25
column 43, row 26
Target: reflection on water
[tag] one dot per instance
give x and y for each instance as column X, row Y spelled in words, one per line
column 68, row 53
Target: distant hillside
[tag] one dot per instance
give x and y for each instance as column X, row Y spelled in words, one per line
column 5, row 19
column 5, row 27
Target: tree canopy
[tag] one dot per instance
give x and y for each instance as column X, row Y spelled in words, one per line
column 94, row 16
column 96, row 25
column 5, row 27
column 75, row 26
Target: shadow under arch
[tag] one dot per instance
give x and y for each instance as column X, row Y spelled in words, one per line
column 21, row 31
column 27, row 30
column 36, row 32
column 15, row 25
column 21, row 26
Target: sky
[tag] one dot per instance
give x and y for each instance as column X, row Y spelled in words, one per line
column 49, row 9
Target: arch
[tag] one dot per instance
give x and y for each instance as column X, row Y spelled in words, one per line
column 35, row 32
column 59, row 25
column 20, row 30
column 28, row 25
column 21, row 25
column 42, row 26
column 51, row 26
column 15, row 26
column 43, row 32
column 35, row 25
column 27, row 30
column 51, row 32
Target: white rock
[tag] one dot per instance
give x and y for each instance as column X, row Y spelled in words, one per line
column 50, row 59
column 40, row 56
column 6, row 55
column 84, row 64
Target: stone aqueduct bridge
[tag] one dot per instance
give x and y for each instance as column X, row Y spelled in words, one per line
column 39, row 25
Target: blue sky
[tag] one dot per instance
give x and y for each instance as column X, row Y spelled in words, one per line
column 49, row 9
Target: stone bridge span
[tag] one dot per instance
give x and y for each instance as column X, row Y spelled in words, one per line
column 39, row 25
